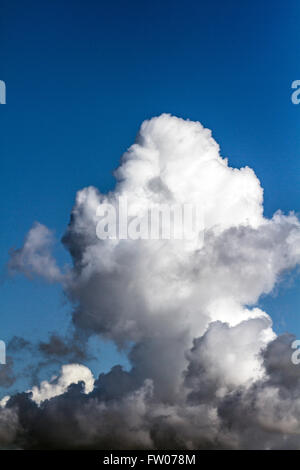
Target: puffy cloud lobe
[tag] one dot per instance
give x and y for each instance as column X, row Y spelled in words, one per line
column 70, row 374
column 207, row 369
column 225, row 358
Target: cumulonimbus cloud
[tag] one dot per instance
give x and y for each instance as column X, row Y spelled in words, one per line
column 206, row 368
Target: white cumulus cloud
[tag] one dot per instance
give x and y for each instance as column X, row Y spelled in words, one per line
column 206, row 368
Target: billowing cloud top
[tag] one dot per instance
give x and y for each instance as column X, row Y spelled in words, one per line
column 206, row 369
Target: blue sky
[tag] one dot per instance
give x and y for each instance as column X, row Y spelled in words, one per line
column 82, row 76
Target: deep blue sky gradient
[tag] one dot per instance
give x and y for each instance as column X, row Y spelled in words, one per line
column 81, row 76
